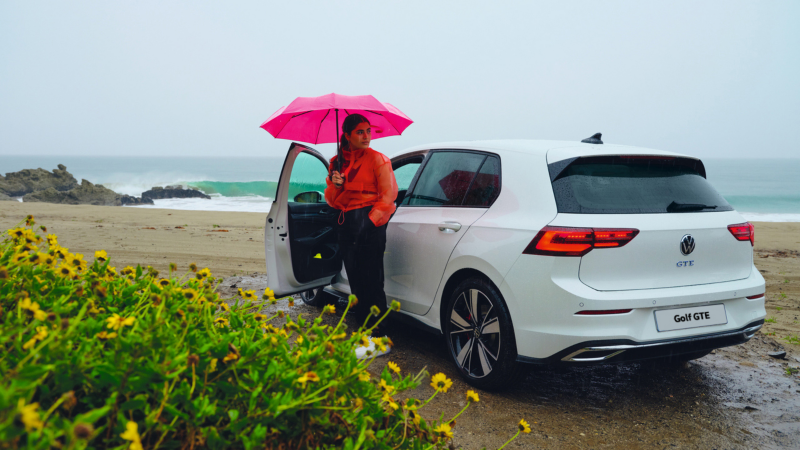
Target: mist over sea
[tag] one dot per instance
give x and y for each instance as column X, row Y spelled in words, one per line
column 760, row 189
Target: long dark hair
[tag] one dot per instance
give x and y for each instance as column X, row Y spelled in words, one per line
column 350, row 124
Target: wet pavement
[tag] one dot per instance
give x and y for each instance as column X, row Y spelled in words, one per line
column 736, row 397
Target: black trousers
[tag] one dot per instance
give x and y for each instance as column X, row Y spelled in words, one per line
column 362, row 245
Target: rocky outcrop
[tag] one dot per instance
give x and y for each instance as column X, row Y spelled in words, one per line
column 4, row 197
column 17, row 184
column 158, row 193
column 85, row 194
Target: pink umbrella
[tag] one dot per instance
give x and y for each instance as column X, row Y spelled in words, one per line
column 316, row 120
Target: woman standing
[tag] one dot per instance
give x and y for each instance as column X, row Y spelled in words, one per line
column 364, row 193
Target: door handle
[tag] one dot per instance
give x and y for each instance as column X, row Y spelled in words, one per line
column 449, row 227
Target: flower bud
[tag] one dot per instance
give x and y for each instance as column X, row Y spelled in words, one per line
column 83, row 430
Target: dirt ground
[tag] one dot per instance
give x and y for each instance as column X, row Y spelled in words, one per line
column 736, row 397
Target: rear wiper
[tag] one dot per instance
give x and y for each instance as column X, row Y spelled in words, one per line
column 680, row 207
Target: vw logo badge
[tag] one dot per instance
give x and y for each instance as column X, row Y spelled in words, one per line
column 687, row 244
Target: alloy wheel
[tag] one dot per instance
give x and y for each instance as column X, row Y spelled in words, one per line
column 474, row 334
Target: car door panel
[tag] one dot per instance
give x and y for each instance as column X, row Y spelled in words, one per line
column 299, row 238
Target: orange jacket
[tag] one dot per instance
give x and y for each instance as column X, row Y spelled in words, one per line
column 369, row 181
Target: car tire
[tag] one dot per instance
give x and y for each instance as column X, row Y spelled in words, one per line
column 317, row 297
column 480, row 343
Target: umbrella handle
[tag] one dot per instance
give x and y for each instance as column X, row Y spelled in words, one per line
column 338, row 145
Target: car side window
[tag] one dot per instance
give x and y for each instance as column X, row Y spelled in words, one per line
column 307, row 181
column 486, row 185
column 445, row 179
column 405, row 173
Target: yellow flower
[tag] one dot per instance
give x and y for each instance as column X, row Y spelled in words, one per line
column 49, row 260
column 132, row 434
column 269, row 294
column 128, row 270
column 41, row 334
column 363, row 376
column 364, row 341
column 394, row 367
column 386, row 387
column 101, row 256
column 29, row 220
column 32, row 308
column 390, row 401
column 61, row 252
column 190, row 294
column 524, row 427
column 221, row 321
column 104, row 336
column 340, row 336
column 163, row 282
column 444, row 431
column 52, row 240
column 225, row 307
column 309, row 376
column 472, row 395
column 76, row 261
column 230, row 357
column 415, row 417
column 17, row 232
column 193, row 267
column 440, row 382
column 66, row 271
column 212, row 366
column 116, row 321
column 299, row 339
column 29, row 415
column 379, row 344
column 19, row 258
column 291, row 301
column 330, row 309
column 249, row 295
column 36, row 257
column 203, row 274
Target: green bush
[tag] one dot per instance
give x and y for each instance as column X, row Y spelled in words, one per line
column 92, row 358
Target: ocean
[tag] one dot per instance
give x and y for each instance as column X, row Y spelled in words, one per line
column 760, row 189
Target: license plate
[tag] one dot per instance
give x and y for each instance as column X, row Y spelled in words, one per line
column 683, row 318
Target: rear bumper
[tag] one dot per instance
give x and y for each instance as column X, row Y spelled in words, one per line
column 624, row 350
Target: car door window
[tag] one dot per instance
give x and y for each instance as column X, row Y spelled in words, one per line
column 486, row 185
column 308, row 176
column 445, row 179
column 405, row 174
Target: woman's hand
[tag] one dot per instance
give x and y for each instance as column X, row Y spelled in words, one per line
column 337, row 179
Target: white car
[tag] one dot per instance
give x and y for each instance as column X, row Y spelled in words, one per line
column 539, row 252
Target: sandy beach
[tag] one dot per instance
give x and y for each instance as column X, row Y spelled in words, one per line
column 232, row 243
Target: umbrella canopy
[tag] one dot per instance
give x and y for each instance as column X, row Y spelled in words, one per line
column 317, row 120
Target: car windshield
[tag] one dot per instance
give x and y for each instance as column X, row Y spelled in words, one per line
column 635, row 185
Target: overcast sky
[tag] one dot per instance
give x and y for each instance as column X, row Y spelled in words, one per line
column 712, row 79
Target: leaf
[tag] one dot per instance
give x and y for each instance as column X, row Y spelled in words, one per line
column 92, row 416
column 233, row 414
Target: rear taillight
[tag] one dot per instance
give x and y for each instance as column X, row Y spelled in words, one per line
column 565, row 241
column 753, row 297
column 743, row 232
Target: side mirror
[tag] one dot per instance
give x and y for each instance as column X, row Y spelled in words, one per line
column 309, row 197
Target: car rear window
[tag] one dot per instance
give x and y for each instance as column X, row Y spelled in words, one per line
column 633, row 185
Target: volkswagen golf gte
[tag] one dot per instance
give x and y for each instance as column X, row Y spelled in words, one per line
column 538, row 252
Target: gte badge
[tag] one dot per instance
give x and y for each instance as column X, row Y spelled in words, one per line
column 685, row 263
column 687, row 244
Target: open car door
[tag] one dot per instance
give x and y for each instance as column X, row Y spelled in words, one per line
column 300, row 235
